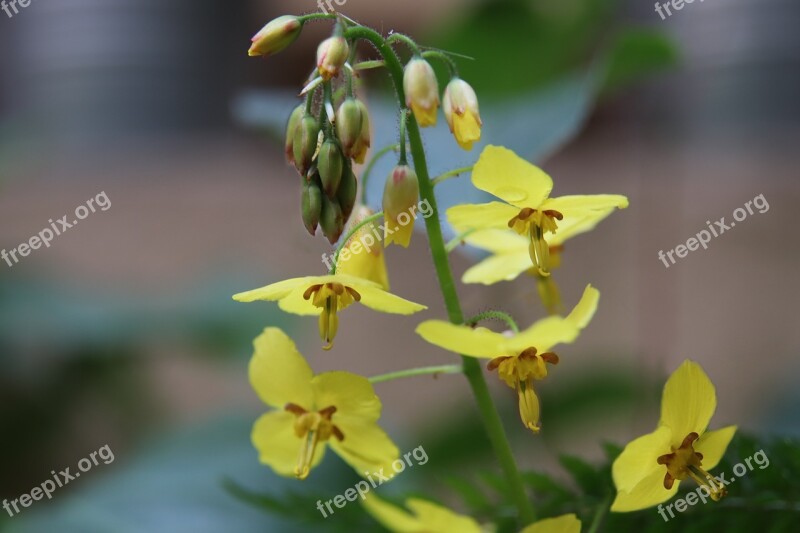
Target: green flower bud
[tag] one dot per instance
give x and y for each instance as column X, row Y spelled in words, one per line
column 332, row 221
column 364, row 141
column 330, row 164
column 400, row 195
column 291, row 128
column 348, row 125
column 275, row 36
column 348, row 189
column 311, row 205
column 331, row 56
column 305, row 143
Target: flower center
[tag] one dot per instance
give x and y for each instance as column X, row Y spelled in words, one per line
column 312, row 428
column 536, row 224
column 519, row 372
column 331, row 297
column 684, row 462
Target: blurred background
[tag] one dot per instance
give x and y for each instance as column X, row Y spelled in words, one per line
column 123, row 331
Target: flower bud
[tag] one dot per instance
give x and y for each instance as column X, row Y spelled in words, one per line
column 311, row 206
column 330, row 163
column 348, row 125
column 462, row 113
column 305, row 143
column 331, row 220
column 275, row 36
column 422, row 91
column 331, row 56
column 364, row 142
column 348, row 189
column 291, row 128
column 400, row 197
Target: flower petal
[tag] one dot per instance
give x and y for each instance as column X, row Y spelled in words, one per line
column 688, row 402
column 501, row 267
column 467, row 130
column 483, row 216
column 581, row 203
column 567, row 523
column 497, row 241
column 274, row 438
column 352, row 395
column 503, row 173
column 366, row 447
column 582, row 314
column 475, row 342
column 649, row 492
column 574, row 225
column 437, row 519
column 390, row 516
column 278, row 373
column 639, row 459
column 379, row 300
column 273, row 292
column 712, row 444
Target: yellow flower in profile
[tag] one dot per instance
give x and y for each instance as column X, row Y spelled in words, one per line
column 311, row 412
column 326, row 296
column 428, row 517
column 519, row 358
column 462, row 113
column 527, row 207
column 363, row 260
column 649, row 469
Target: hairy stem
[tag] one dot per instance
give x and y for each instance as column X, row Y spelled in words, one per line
column 443, row 369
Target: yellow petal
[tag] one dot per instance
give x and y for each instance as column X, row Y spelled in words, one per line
column 484, row 216
column 501, row 267
column 639, row 459
column 352, row 395
column 582, row 314
column 362, row 262
column 278, row 373
column 585, row 202
column 688, row 402
column 390, row 516
column 567, row 523
column 273, row 292
column 426, row 116
column 475, row 342
column 712, row 444
column 649, row 492
column 503, row 173
column 573, row 225
column 365, row 447
column 497, row 241
column 295, row 304
column 397, row 234
column 437, row 519
column 377, row 299
column 278, row 445
column 467, row 130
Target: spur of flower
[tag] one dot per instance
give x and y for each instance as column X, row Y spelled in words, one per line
column 432, row 518
column 326, row 296
column 311, row 412
column 526, row 205
column 649, row 469
column 519, row 358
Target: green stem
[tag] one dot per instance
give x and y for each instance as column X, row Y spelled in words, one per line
column 443, row 369
column 458, row 239
column 600, row 514
column 449, row 175
column 434, row 54
column 405, row 39
column 403, row 136
column 472, row 368
column 495, row 315
column 349, row 234
column 316, row 16
column 371, row 165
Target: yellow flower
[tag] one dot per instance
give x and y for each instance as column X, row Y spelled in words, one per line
column 335, row 408
column 462, row 113
column 519, row 358
column 526, row 207
column 428, row 517
column 364, row 260
column 422, row 91
column 651, row 467
column 326, row 296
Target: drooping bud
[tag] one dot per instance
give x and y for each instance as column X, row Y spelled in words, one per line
column 305, row 143
column 364, row 142
column 330, row 164
column 462, row 113
column 275, row 36
column 348, row 189
column 331, row 220
column 291, row 128
column 400, row 197
column 422, row 91
column 331, row 56
column 311, row 206
column 348, row 125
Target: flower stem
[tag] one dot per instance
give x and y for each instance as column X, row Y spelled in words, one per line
column 600, row 514
column 458, row 240
column 472, row 369
column 443, row 369
column 371, row 165
column 450, row 174
column 349, row 234
column 495, row 315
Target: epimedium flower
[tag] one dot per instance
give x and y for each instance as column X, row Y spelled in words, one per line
column 361, row 259
column 400, row 197
column 336, row 409
column 650, row 468
column 326, row 296
column 422, row 91
column 519, row 358
column 462, row 112
column 275, row 36
column 526, row 207
column 429, row 517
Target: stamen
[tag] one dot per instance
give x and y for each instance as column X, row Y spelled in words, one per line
column 307, row 450
column 356, row 296
column 549, row 357
column 529, row 409
column 295, row 409
column 684, row 463
column 311, row 291
column 496, row 362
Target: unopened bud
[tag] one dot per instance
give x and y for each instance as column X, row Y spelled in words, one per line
column 330, row 163
column 311, row 205
column 422, row 91
column 331, row 220
column 275, row 36
column 348, row 125
column 348, row 189
column 462, row 113
column 305, row 143
column 291, row 128
column 364, row 141
column 400, row 196
column 331, row 56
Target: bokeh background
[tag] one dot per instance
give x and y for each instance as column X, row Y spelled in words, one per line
column 123, row 332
